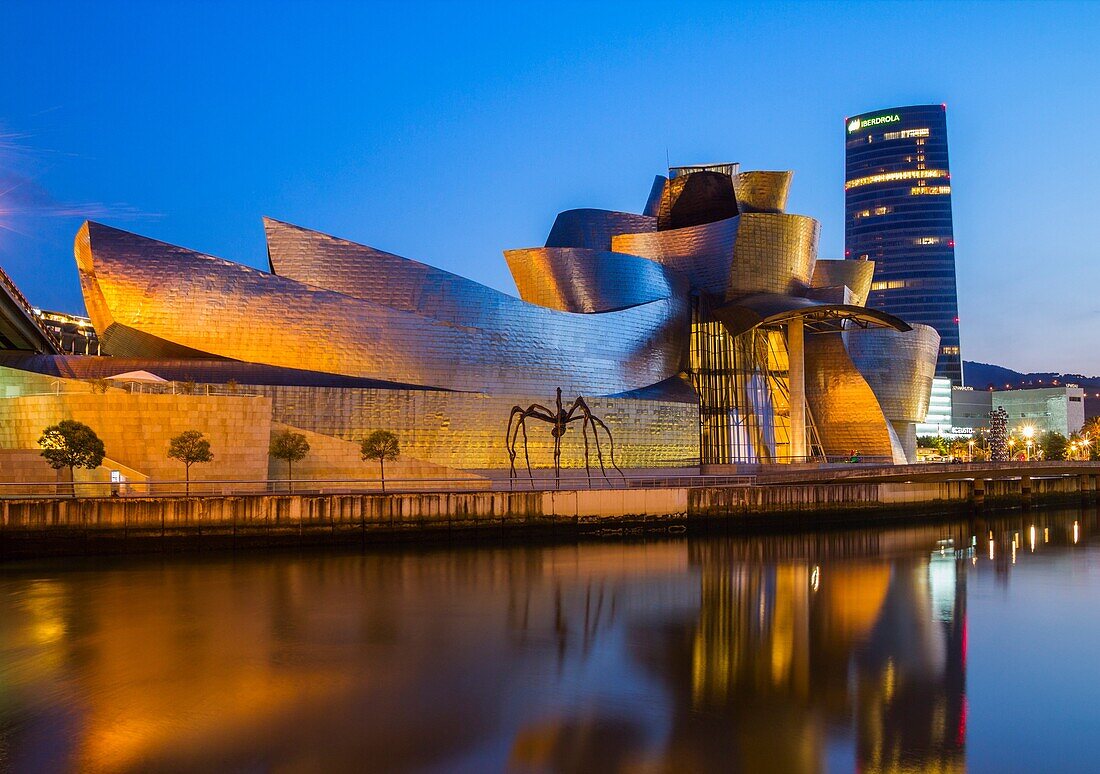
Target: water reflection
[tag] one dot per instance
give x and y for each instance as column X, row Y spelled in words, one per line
column 838, row 650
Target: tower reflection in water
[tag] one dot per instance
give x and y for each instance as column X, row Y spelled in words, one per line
column 786, row 660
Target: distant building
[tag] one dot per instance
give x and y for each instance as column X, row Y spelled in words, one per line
column 897, row 195
column 1061, row 409
column 75, row 335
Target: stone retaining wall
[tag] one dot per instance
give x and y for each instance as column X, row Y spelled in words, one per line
column 31, row 526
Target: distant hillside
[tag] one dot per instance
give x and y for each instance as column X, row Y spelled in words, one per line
column 981, row 376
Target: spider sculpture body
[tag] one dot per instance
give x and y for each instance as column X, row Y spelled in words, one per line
column 559, row 420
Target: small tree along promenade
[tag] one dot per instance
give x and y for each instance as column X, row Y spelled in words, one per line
column 291, row 447
column 380, row 445
column 189, row 447
column 71, row 444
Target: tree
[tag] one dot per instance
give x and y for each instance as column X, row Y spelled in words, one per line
column 71, row 444
column 937, row 442
column 1053, row 445
column 189, row 447
column 290, row 446
column 1091, row 434
column 380, row 445
column 100, row 385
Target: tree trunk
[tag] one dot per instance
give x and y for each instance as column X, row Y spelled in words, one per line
column 382, row 468
column 187, row 480
column 72, row 480
column 290, row 476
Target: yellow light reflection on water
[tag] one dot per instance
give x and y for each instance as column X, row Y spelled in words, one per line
column 1076, row 532
column 1031, row 537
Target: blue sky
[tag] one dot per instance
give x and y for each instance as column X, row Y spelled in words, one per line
column 448, row 132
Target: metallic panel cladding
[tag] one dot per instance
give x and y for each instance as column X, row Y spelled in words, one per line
column 845, row 409
column 692, row 199
column 702, row 253
column 774, row 254
column 898, row 366
column 855, row 275
column 573, row 279
column 324, row 261
column 759, row 191
column 751, row 253
column 480, row 340
column 595, row 229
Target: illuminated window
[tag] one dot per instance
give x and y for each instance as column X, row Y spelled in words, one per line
column 930, row 190
column 927, row 240
column 888, row 285
column 906, row 134
column 949, row 350
column 863, row 214
column 887, row 177
column 881, row 210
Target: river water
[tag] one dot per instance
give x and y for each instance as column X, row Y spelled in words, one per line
column 917, row 648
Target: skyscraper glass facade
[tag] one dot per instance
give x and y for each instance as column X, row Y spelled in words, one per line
column 897, row 195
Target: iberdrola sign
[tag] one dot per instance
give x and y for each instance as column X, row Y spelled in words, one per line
column 866, row 123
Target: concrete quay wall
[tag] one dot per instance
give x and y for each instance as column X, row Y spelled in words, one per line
column 92, row 525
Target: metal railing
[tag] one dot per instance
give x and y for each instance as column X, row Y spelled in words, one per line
column 541, row 482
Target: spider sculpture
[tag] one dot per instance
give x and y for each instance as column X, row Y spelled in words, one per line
column 578, row 411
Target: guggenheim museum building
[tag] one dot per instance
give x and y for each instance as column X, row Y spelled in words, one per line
column 703, row 330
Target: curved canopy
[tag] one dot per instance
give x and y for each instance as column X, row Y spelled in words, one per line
column 774, row 309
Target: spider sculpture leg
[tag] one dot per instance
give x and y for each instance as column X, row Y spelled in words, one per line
column 534, row 411
column 526, row 453
column 584, row 434
column 611, row 440
column 569, row 417
column 589, row 418
column 510, row 439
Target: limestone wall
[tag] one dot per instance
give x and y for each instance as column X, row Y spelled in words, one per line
column 467, row 430
column 136, row 429
column 333, row 458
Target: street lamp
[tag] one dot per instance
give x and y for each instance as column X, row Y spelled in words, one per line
column 1028, row 432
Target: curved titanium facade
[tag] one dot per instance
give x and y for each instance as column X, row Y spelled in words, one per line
column 325, row 261
column 898, row 214
column 752, row 253
column 577, row 280
column 692, row 200
column 595, row 229
column 704, row 254
column 845, row 409
column 854, row 275
column 898, row 366
column 774, row 254
column 759, row 191
column 483, row 341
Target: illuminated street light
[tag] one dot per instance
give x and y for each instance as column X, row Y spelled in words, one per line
column 1028, row 432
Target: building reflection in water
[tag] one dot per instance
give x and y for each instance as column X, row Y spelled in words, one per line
column 841, row 650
